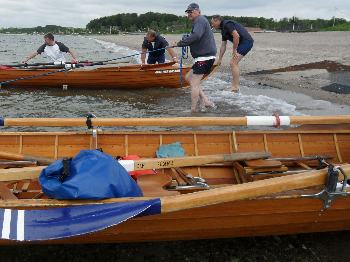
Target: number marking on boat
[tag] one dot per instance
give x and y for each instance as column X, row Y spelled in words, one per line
column 167, row 71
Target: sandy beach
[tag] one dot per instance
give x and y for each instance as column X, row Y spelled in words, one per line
column 279, row 50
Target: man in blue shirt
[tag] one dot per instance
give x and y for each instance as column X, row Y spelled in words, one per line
column 154, row 41
column 242, row 44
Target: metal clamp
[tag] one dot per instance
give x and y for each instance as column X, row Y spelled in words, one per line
column 333, row 188
column 95, row 130
column 196, row 186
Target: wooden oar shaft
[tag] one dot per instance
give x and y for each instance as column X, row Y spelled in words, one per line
column 159, row 163
column 132, row 165
column 246, row 190
column 21, row 157
column 181, row 121
column 13, row 164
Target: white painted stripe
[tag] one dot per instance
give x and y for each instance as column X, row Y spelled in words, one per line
column 6, row 225
column 260, row 120
column 129, row 165
column 267, row 120
column 285, row 120
column 20, row 225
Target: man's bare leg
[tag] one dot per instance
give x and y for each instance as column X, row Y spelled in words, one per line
column 197, row 92
column 235, row 72
column 188, row 76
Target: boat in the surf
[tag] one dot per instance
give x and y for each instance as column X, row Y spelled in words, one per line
column 169, row 75
column 230, row 183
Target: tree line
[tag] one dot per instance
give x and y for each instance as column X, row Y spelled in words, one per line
column 169, row 23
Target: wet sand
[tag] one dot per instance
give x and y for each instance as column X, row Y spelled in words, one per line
column 281, row 50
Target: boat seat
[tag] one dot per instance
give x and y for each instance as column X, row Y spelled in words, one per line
column 5, row 192
column 249, row 170
column 259, row 163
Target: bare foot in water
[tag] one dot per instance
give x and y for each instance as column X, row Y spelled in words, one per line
column 210, row 105
column 235, row 89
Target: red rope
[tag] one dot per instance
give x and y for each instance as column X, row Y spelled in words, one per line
column 278, row 120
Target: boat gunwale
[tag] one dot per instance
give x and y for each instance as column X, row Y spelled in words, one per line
column 175, row 132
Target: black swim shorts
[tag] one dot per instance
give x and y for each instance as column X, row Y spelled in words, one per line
column 203, row 67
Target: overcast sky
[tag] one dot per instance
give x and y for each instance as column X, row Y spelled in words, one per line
column 77, row 13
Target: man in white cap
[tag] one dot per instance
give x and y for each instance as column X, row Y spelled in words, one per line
column 203, row 50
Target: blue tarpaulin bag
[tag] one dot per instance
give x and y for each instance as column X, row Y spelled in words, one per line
column 91, row 174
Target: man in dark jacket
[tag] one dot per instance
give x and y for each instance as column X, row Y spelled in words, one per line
column 154, row 41
column 242, row 44
column 203, row 50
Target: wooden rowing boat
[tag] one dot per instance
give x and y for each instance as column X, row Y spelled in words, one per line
column 130, row 76
column 246, row 197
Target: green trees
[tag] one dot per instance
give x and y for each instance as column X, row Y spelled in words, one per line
column 169, row 23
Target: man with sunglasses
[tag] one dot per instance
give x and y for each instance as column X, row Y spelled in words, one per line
column 203, row 50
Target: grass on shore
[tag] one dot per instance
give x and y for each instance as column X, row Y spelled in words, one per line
column 340, row 27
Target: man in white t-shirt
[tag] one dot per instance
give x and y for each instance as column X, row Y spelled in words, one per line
column 54, row 50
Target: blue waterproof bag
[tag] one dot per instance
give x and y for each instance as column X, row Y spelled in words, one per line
column 91, row 174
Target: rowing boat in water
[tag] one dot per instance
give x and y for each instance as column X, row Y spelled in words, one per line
column 130, row 76
column 244, row 197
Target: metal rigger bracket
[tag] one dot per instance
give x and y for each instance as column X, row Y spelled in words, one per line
column 333, row 188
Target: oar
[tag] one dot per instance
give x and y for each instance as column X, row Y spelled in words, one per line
column 180, row 121
column 12, row 164
column 33, row 64
column 45, row 64
column 130, row 165
column 21, row 157
column 33, row 76
column 246, row 190
column 204, row 198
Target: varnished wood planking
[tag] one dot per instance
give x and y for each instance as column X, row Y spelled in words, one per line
column 344, row 146
column 319, row 143
column 283, row 145
column 129, row 78
column 250, row 142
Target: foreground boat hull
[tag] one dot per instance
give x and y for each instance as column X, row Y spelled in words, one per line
column 258, row 217
column 135, row 76
column 286, row 213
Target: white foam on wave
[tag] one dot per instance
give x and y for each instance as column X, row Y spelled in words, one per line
column 219, row 91
column 121, row 50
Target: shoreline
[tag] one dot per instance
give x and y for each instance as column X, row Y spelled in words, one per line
column 280, row 50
